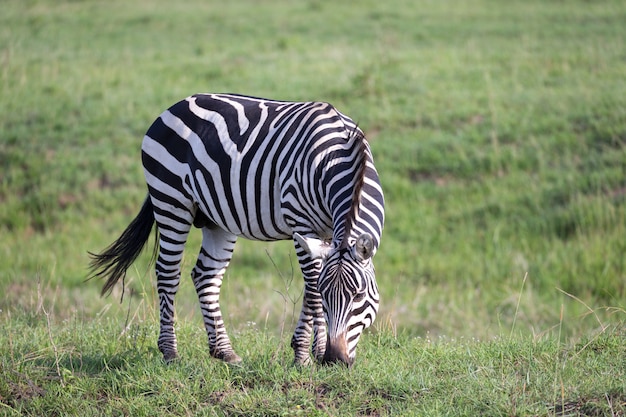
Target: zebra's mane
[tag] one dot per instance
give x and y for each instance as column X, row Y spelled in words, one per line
column 360, row 163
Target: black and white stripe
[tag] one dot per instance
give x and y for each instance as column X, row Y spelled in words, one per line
column 265, row 170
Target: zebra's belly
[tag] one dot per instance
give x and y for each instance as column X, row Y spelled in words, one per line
column 263, row 229
column 254, row 231
column 248, row 216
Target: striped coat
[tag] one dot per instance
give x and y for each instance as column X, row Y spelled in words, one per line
column 237, row 166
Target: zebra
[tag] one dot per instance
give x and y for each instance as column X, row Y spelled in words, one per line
column 240, row 166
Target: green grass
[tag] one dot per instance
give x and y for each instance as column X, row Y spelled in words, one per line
column 498, row 129
column 103, row 367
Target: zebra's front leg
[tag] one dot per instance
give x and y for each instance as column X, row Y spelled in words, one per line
column 215, row 254
column 319, row 334
column 311, row 318
column 310, row 323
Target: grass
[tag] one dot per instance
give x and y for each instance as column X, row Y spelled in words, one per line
column 499, row 131
column 102, row 367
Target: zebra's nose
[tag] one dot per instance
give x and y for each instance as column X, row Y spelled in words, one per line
column 337, row 351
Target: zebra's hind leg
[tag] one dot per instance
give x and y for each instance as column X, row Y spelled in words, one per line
column 215, row 254
column 172, row 238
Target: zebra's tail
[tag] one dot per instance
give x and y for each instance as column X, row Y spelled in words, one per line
column 113, row 262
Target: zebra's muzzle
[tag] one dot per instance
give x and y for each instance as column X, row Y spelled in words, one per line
column 337, row 351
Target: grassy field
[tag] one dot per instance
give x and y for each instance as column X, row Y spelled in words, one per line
column 91, row 368
column 498, row 129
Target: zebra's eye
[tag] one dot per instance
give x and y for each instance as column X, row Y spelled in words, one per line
column 358, row 297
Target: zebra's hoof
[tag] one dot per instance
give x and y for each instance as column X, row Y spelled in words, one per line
column 170, row 356
column 302, row 362
column 228, row 357
column 232, row 358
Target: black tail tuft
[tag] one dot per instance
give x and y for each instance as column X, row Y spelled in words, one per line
column 120, row 255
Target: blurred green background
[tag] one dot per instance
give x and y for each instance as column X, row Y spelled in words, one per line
column 498, row 129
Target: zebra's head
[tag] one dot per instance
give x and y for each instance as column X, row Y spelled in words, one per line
column 347, row 283
column 349, row 292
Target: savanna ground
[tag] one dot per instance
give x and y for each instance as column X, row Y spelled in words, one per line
column 499, row 132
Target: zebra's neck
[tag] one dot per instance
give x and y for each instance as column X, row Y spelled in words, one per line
column 355, row 195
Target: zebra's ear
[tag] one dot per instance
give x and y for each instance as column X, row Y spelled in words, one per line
column 364, row 247
column 316, row 248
